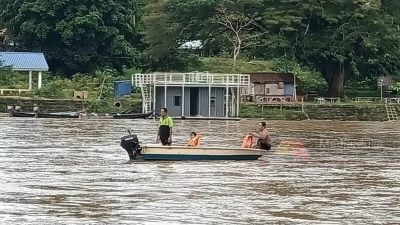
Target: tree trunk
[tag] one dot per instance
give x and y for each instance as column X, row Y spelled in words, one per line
column 236, row 49
column 234, row 60
column 335, row 80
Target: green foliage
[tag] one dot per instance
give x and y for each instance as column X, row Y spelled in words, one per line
column 76, row 36
column 347, row 43
column 11, row 79
column 57, row 88
column 224, row 65
column 338, row 38
column 396, row 87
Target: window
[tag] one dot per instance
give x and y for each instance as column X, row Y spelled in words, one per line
column 280, row 85
column 177, row 100
column 267, row 91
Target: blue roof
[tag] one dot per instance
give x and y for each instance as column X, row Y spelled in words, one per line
column 24, row 61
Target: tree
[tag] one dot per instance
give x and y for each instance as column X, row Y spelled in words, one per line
column 76, row 36
column 239, row 29
column 167, row 25
column 339, row 38
column 228, row 25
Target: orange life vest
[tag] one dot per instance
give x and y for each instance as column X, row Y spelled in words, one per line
column 195, row 141
column 247, row 141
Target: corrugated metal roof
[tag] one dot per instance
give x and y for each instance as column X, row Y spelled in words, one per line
column 265, row 77
column 24, row 61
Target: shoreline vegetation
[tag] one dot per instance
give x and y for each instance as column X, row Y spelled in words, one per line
column 57, row 94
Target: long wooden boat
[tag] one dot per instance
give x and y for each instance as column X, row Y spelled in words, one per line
column 22, row 114
column 158, row 152
column 132, row 115
column 45, row 115
column 58, row 115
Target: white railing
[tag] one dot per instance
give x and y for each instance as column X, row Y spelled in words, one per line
column 191, row 78
column 2, row 91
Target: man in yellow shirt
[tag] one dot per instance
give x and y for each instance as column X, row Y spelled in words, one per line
column 165, row 128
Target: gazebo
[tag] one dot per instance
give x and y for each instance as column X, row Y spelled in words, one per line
column 25, row 61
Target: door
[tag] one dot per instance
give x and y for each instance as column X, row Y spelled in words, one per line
column 194, row 101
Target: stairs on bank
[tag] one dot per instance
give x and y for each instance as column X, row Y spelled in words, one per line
column 391, row 113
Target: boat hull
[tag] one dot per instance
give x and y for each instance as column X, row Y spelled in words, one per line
column 177, row 153
column 55, row 115
column 45, row 115
column 181, row 157
column 132, row 116
column 22, row 114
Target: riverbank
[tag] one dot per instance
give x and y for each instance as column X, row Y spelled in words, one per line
column 345, row 112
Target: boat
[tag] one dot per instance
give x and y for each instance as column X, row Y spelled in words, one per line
column 45, row 115
column 132, row 115
column 22, row 114
column 58, row 115
column 158, row 152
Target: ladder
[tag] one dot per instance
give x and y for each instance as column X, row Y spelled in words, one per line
column 391, row 113
column 146, row 98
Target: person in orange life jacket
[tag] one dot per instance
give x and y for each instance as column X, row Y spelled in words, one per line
column 247, row 141
column 264, row 140
column 194, row 140
column 165, row 128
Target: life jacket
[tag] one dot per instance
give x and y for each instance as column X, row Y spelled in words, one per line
column 195, row 141
column 247, row 141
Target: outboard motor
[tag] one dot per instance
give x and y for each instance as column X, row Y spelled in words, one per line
column 131, row 145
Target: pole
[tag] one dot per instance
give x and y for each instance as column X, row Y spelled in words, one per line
column 209, row 98
column 226, row 100
column 238, row 100
column 183, row 98
column 40, row 80
column 294, row 87
column 381, row 83
column 30, row 80
column 165, row 90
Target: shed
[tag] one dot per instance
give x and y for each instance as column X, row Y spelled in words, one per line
column 25, row 61
column 266, row 85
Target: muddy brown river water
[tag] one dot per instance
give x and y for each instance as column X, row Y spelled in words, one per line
column 74, row 172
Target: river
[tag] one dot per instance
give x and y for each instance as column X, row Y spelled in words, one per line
column 74, row 172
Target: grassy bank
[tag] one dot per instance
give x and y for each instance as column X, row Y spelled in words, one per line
column 251, row 110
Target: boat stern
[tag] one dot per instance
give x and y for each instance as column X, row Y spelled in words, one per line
column 131, row 145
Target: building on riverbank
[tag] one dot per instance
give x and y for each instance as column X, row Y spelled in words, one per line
column 26, row 62
column 271, row 87
column 192, row 94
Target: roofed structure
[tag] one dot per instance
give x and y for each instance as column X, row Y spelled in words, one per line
column 25, row 61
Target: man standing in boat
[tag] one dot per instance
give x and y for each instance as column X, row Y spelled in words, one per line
column 165, row 128
column 264, row 140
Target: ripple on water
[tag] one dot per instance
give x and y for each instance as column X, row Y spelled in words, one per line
column 74, row 172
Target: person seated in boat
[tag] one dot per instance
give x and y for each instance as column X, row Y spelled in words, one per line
column 165, row 128
column 194, row 140
column 264, row 140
